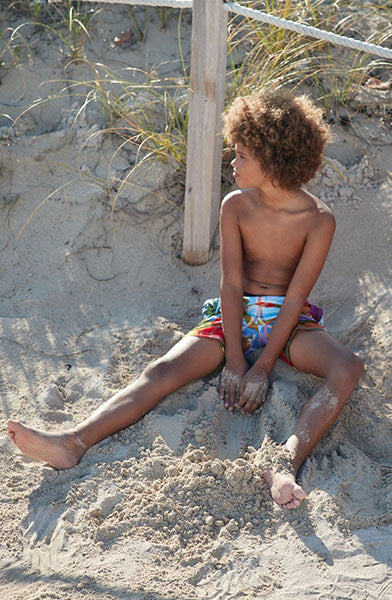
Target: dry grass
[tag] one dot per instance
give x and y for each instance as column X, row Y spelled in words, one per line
column 150, row 113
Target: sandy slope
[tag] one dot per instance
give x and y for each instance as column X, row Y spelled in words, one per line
column 173, row 508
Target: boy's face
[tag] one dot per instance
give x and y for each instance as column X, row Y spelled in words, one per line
column 246, row 169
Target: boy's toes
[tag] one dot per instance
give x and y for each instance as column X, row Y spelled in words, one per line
column 298, row 492
column 292, row 504
column 298, row 496
column 11, row 429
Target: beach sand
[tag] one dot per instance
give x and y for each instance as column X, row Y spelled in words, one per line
column 174, row 508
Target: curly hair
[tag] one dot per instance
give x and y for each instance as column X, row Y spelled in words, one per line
column 285, row 133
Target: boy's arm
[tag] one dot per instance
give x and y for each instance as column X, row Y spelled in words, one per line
column 231, row 293
column 313, row 257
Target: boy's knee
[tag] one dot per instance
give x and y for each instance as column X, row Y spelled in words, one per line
column 349, row 370
column 158, row 371
column 356, row 368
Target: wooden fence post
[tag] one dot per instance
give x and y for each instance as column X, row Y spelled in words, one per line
column 208, row 67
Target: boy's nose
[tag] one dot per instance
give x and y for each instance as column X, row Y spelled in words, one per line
column 233, row 162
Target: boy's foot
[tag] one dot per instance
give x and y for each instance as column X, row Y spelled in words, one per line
column 284, row 489
column 59, row 450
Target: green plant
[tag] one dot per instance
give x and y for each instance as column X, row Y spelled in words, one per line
column 69, row 21
column 12, row 44
column 77, row 17
column 143, row 113
column 144, row 110
column 269, row 56
column 38, row 8
column 35, row 9
column 338, row 72
column 7, row 206
column 140, row 25
column 140, row 29
column 150, row 114
column 274, row 57
column 155, row 137
column 165, row 15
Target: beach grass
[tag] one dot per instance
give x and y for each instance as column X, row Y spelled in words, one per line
column 270, row 58
column 275, row 58
column 140, row 20
column 12, row 46
column 69, row 21
column 150, row 112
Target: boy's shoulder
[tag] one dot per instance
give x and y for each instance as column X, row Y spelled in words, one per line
column 321, row 219
column 308, row 203
column 318, row 208
column 234, row 201
column 233, row 197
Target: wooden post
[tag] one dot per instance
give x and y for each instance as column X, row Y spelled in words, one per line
column 204, row 158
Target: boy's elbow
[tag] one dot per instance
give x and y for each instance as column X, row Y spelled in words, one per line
column 227, row 285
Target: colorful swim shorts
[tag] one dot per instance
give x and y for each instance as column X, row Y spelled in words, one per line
column 259, row 315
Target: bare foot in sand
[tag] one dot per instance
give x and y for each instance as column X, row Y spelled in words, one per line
column 284, row 489
column 59, row 450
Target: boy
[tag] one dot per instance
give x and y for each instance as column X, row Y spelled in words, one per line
column 275, row 238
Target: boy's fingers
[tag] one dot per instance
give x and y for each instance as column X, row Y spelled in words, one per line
column 249, row 403
column 245, row 399
column 227, row 394
column 254, row 394
column 221, row 392
column 224, row 394
column 247, row 396
column 251, row 406
column 233, row 394
column 242, row 398
column 228, row 389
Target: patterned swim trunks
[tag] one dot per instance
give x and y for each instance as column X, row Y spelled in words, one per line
column 259, row 315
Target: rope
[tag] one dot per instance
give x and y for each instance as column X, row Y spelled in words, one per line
column 308, row 30
column 169, row 3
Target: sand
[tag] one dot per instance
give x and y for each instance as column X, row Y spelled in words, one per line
column 174, row 508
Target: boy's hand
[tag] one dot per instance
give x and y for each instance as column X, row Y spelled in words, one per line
column 252, row 391
column 232, row 375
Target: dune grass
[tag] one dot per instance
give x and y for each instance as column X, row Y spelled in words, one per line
column 149, row 112
column 270, row 57
column 277, row 58
column 140, row 23
column 70, row 21
column 12, row 45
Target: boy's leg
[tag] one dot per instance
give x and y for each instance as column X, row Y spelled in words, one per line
column 318, row 353
column 191, row 358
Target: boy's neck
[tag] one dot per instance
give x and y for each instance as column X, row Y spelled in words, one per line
column 275, row 197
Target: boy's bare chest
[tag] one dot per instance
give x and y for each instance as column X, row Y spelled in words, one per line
column 273, row 237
